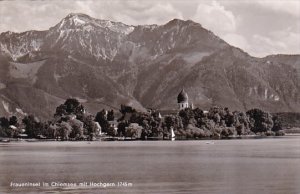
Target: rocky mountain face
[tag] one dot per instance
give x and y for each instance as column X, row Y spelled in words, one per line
column 104, row 63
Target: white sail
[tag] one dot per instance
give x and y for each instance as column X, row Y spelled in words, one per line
column 172, row 134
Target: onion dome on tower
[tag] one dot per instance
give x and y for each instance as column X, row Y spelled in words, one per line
column 182, row 97
column 182, row 100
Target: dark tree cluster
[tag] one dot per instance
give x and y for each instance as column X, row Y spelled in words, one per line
column 103, row 118
column 71, row 122
column 221, row 122
column 71, row 106
column 8, row 127
column 33, row 127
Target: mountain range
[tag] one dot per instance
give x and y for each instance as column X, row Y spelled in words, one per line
column 104, row 64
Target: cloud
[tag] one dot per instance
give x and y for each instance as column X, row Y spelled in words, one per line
column 291, row 7
column 289, row 38
column 284, row 42
column 40, row 15
column 214, row 16
column 265, row 45
column 136, row 13
column 21, row 16
column 237, row 40
column 262, row 27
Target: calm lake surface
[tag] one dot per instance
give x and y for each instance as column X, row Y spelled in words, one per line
column 270, row 165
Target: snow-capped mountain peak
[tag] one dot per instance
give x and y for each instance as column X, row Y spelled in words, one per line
column 79, row 21
column 73, row 21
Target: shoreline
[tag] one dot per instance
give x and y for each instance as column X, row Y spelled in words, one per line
column 32, row 140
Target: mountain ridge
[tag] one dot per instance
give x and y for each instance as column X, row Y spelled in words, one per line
column 105, row 62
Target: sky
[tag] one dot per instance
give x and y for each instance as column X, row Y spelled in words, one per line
column 259, row 27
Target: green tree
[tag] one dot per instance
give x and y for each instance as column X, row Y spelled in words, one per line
column 90, row 126
column 4, row 122
column 126, row 109
column 110, row 115
column 187, row 116
column 133, row 131
column 33, row 127
column 13, row 120
column 229, row 119
column 77, row 129
column 112, row 132
column 64, row 130
column 71, row 106
column 101, row 118
column 8, row 127
column 241, row 122
column 122, row 128
column 277, row 123
column 262, row 120
column 171, row 122
column 52, row 131
column 60, row 110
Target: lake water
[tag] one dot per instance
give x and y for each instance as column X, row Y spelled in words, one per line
column 270, row 165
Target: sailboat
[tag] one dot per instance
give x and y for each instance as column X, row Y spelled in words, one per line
column 172, row 135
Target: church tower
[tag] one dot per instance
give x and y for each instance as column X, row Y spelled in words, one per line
column 183, row 100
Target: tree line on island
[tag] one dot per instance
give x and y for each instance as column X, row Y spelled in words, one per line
column 71, row 122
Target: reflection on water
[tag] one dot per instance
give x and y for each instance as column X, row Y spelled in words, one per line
column 227, row 166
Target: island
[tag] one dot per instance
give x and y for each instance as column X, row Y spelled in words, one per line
column 72, row 122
